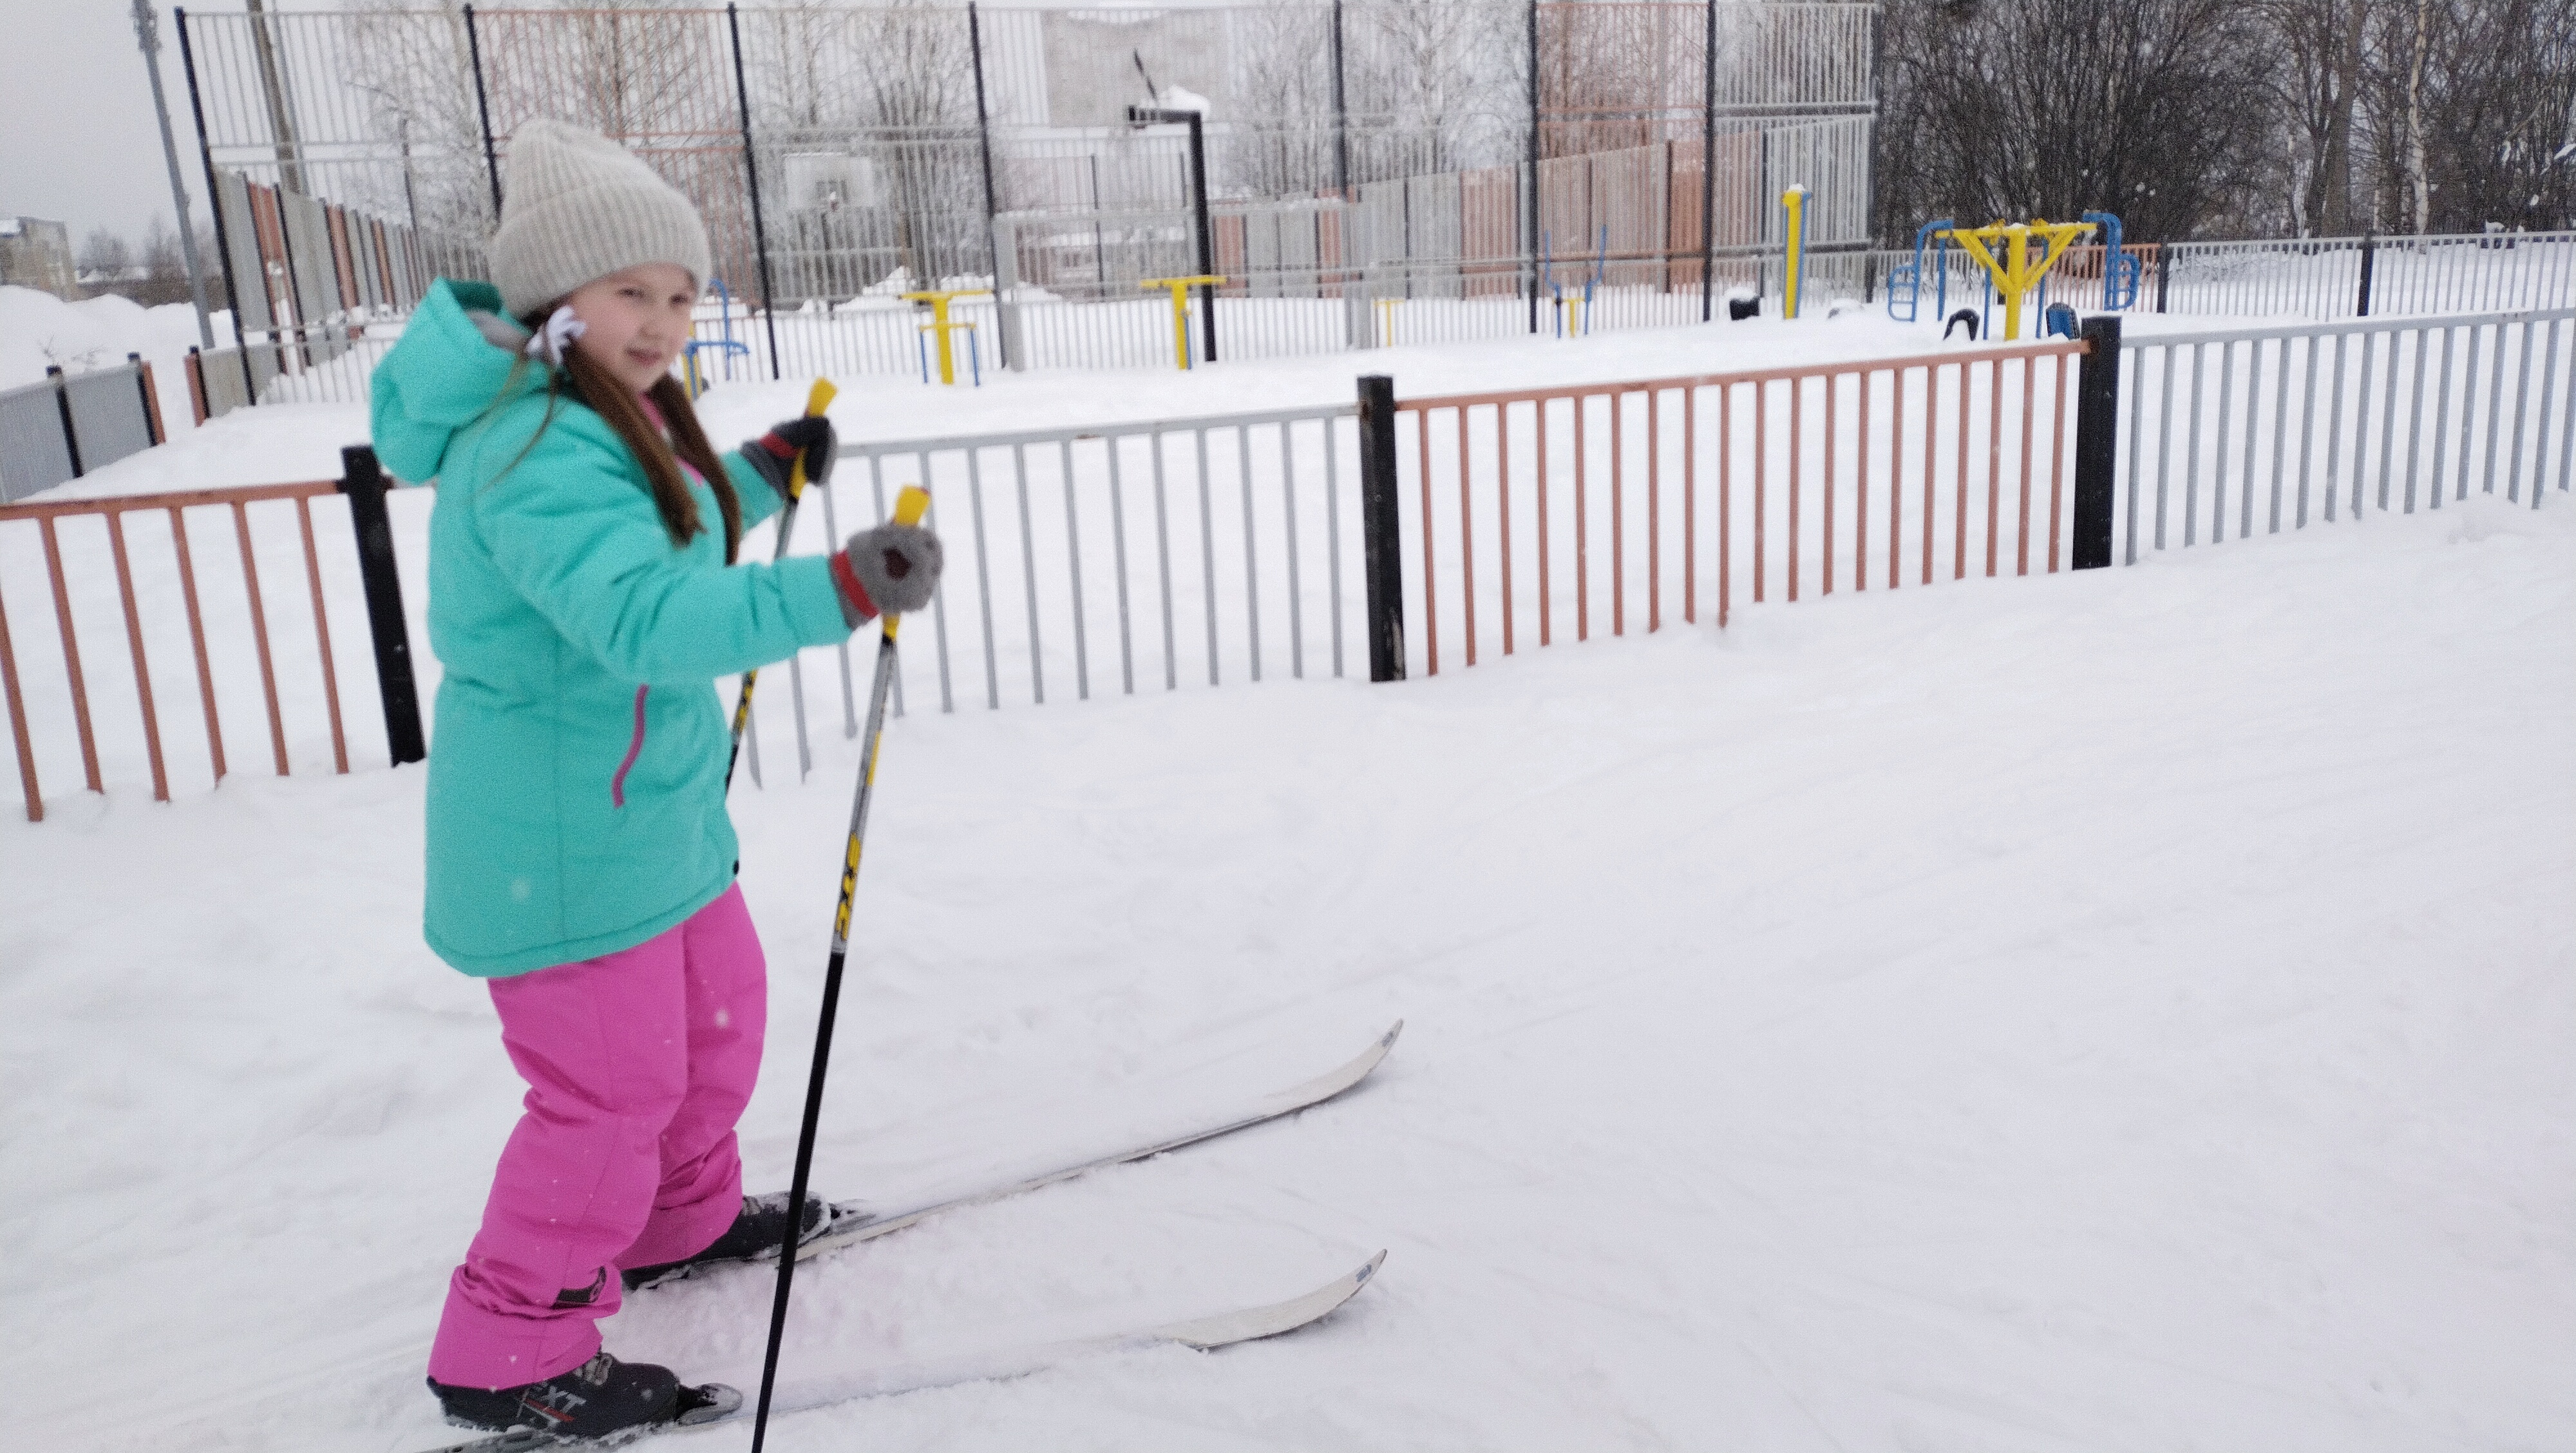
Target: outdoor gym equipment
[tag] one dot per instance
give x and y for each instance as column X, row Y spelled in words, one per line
column 2119, row 270
column 940, row 326
column 1795, row 200
column 1905, row 280
column 694, row 373
column 1180, row 290
column 1581, row 323
column 2015, row 273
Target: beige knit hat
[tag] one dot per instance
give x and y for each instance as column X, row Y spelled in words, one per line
column 577, row 207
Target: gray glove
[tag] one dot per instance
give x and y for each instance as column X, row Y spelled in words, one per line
column 897, row 565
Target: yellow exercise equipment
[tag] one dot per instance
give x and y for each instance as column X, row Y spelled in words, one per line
column 2016, row 274
column 1180, row 289
column 941, row 328
column 1795, row 200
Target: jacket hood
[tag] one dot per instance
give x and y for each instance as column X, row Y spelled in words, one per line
column 451, row 365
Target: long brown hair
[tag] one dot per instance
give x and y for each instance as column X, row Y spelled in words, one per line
column 587, row 381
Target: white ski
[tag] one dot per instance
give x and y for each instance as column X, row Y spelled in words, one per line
column 854, row 1221
column 724, row 1405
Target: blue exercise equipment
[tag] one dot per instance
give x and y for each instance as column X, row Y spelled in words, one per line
column 2120, row 271
column 1905, row 280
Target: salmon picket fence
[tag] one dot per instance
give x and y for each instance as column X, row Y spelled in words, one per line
column 230, row 617
column 1533, row 511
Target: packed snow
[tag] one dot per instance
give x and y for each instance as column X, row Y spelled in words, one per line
column 2103, row 1011
column 39, row 330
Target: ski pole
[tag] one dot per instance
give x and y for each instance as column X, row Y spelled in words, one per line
column 909, row 507
column 817, row 400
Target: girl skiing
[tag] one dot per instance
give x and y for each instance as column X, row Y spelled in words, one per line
column 583, row 597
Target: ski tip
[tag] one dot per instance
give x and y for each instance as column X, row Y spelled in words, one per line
column 1360, row 1278
column 1387, row 1040
column 710, row 1402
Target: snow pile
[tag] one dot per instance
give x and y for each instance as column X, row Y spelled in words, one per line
column 2101, row 1011
column 888, row 291
column 37, row 329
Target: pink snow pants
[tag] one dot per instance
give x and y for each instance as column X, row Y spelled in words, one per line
column 638, row 1064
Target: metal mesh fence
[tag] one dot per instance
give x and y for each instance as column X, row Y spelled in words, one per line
column 874, row 145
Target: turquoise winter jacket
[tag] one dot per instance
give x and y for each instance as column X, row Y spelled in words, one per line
column 577, row 763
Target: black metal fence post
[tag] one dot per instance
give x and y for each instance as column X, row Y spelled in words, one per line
column 364, row 483
column 1207, row 233
column 2164, row 274
column 992, row 201
column 483, row 109
column 149, row 397
column 2097, row 441
column 751, row 178
column 1341, row 115
column 2369, row 261
column 63, row 401
column 1381, row 530
column 1708, row 172
column 215, row 204
column 1529, row 242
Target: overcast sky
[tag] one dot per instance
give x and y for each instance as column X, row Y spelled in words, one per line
column 78, row 143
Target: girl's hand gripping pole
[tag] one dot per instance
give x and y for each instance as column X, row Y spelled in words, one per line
column 909, row 508
column 817, row 399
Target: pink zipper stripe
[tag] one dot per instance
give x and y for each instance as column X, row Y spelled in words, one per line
column 635, row 748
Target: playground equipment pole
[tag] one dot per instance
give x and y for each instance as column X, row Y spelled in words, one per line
column 2014, row 273
column 940, row 325
column 1795, row 199
column 1208, row 280
column 2112, row 262
column 1180, row 290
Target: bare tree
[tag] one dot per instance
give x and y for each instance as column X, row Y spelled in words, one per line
column 1281, row 143
column 106, row 254
column 2157, row 110
column 164, row 263
column 1434, row 86
column 2316, row 84
column 2467, row 110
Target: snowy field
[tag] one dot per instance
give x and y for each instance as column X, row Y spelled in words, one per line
column 2103, row 1012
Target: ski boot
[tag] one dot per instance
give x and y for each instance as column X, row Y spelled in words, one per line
column 754, row 1236
column 601, row 1399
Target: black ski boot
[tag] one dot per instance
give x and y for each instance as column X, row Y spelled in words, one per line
column 754, row 1236
column 601, row 1398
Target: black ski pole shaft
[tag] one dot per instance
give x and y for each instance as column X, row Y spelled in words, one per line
column 817, row 399
column 909, row 507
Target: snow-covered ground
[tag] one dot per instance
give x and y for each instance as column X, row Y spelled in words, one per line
column 38, row 329
column 2127, row 1011
column 2116, row 1011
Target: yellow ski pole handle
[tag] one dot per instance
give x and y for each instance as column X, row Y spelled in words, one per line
column 817, row 399
column 910, row 506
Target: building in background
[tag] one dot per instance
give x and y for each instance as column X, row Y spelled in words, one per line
column 35, row 253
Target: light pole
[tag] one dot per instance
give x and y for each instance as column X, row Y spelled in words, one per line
column 1143, row 116
column 147, row 34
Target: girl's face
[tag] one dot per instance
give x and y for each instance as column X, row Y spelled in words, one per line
column 634, row 322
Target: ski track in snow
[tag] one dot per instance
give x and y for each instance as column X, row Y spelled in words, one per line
column 2105, row 1012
